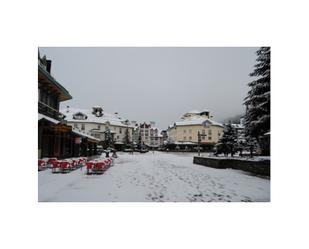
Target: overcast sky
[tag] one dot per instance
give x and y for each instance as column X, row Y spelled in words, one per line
column 155, row 84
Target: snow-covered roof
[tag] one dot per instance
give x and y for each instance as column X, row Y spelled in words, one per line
column 113, row 119
column 197, row 111
column 197, row 120
column 194, row 112
column 41, row 116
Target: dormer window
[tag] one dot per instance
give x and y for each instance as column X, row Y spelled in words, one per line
column 80, row 116
column 206, row 123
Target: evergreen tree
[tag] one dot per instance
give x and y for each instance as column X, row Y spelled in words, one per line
column 251, row 145
column 228, row 142
column 257, row 118
column 108, row 139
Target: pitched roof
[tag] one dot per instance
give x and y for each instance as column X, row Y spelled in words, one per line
column 44, row 75
column 196, row 120
column 113, row 119
column 194, row 112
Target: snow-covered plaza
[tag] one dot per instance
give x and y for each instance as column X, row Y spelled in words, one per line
column 157, row 176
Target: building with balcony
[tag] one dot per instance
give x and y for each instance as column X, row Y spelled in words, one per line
column 111, row 129
column 55, row 137
column 148, row 134
column 194, row 128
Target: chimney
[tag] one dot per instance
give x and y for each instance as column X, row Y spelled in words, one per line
column 97, row 111
column 48, row 65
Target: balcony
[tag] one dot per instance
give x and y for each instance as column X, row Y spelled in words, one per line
column 49, row 111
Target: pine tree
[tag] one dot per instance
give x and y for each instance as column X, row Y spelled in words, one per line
column 228, row 142
column 251, row 145
column 257, row 118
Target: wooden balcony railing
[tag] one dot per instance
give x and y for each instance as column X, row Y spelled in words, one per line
column 49, row 111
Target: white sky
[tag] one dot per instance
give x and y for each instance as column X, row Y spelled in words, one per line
column 155, row 84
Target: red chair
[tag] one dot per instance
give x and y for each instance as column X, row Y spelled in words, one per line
column 65, row 166
column 99, row 167
column 55, row 166
column 51, row 161
column 74, row 163
column 41, row 164
column 89, row 166
column 108, row 161
column 82, row 161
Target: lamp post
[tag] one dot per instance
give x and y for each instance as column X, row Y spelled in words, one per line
column 199, row 139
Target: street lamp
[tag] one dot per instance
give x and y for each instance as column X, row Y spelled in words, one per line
column 199, row 135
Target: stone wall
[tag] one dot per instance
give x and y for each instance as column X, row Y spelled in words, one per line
column 259, row 167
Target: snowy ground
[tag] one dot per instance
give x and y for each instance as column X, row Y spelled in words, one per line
column 154, row 177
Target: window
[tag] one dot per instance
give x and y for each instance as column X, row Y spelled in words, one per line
column 190, row 138
column 76, row 126
column 79, row 116
column 83, row 127
column 117, row 137
column 49, row 100
column 209, row 132
column 99, row 127
column 42, row 96
column 203, row 132
column 120, row 130
column 190, row 131
column 209, row 138
column 184, row 138
column 54, row 102
column 184, row 131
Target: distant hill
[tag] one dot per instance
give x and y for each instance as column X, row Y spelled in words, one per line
column 234, row 119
